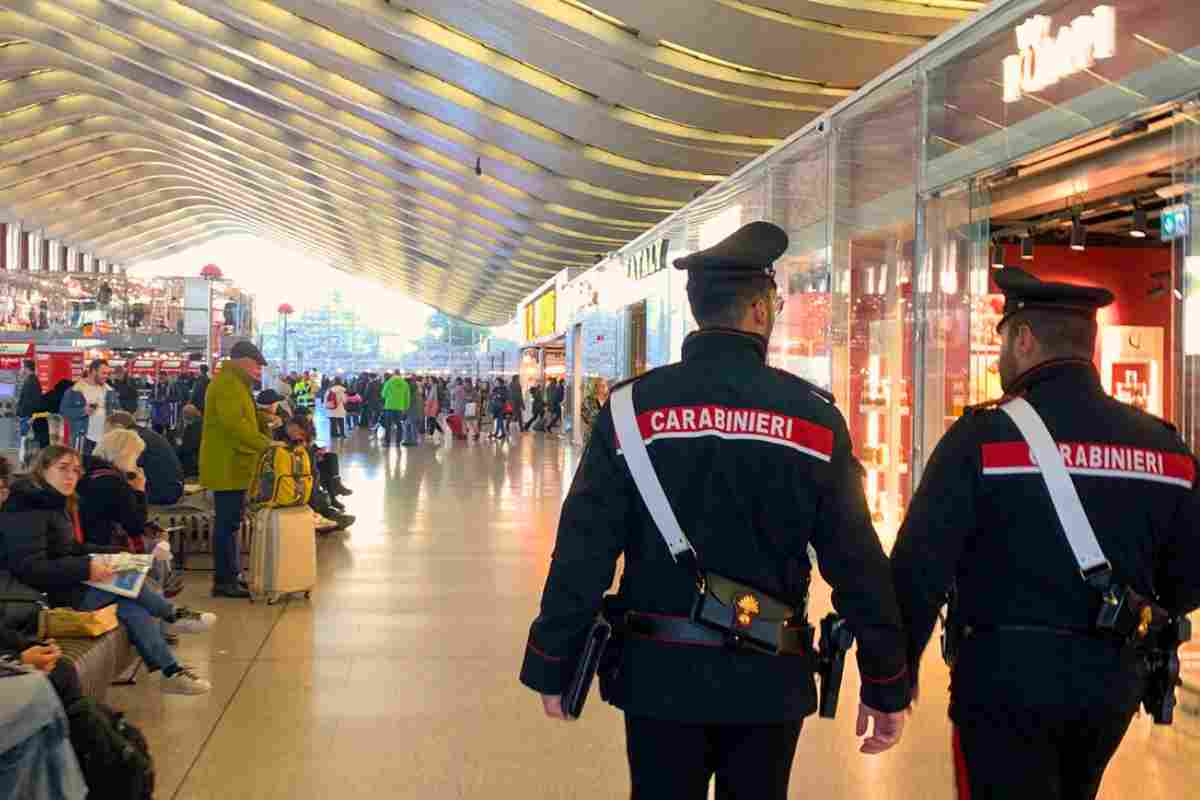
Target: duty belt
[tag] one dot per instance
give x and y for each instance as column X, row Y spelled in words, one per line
column 796, row 639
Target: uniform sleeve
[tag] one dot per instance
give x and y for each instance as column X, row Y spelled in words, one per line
column 591, row 533
column 931, row 540
column 1177, row 580
column 852, row 560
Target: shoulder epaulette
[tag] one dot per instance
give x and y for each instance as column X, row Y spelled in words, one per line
column 809, row 386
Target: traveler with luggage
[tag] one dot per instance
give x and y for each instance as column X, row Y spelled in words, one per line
column 234, row 437
column 335, row 408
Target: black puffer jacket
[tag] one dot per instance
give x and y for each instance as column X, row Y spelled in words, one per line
column 106, row 500
column 38, row 543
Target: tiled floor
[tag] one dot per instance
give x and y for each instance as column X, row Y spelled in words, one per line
column 398, row 679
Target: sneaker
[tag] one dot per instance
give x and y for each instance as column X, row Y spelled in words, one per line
column 324, row 524
column 189, row 621
column 345, row 521
column 186, row 681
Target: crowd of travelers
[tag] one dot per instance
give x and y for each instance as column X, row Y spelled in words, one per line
column 409, row 409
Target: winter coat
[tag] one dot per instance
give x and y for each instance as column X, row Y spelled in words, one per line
column 189, row 447
column 30, row 400
column 458, row 400
column 127, row 395
column 106, row 501
column 499, row 400
column 200, row 391
column 397, row 394
column 74, row 407
column 38, row 541
column 416, row 408
column 164, row 473
column 234, row 434
column 516, row 397
column 340, row 393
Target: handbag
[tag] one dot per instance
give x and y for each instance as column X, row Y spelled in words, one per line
column 68, row 623
column 745, row 615
column 20, row 605
column 331, row 402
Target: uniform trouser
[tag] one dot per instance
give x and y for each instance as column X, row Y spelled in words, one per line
column 1022, row 754
column 677, row 760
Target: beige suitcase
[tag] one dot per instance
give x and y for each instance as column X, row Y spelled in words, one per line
column 283, row 555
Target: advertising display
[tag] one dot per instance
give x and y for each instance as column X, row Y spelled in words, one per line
column 144, row 368
column 58, row 364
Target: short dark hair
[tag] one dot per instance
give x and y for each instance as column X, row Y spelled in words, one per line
column 1060, row 335
column 97, row 364
column 728, row 308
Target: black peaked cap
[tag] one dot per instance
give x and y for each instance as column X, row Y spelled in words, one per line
column 1024, row 291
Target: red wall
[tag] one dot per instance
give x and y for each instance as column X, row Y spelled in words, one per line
column 1125, row 271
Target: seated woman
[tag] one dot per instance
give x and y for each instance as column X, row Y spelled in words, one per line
column 299, row 432
column 43, row 541
column 113, row 507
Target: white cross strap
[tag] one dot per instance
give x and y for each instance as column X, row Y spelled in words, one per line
column 1071, row 516
column 629, row 436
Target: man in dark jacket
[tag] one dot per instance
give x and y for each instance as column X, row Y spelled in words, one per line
column 29, row 401
column 127, row 393
column 164, row 472
column 200, row 389
column 756, row 464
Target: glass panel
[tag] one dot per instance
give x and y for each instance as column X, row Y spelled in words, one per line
column 800, row 205
column 1187, row 267
column 1059, row 84
column 961, row 346
column 871, row 333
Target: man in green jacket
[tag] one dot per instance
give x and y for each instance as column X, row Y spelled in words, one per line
column 397, row 397
column 234, row 438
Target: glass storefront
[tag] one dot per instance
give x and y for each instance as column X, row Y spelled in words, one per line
column 1001, row 143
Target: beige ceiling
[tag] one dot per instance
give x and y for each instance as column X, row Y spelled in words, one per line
column 351, row 129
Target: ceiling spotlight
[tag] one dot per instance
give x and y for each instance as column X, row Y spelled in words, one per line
column 1138, row 231
column 479, row 167
column 1078, row 233
column 1027, row 248
column 997, row 256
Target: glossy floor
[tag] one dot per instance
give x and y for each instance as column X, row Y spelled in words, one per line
column 398, row 678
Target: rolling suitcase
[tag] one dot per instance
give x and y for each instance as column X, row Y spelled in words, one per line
column 283, row 555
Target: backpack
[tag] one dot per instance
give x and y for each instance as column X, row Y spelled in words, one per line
column 112, row 753
column 20, row 605
column 284, row 478
column 331, row 402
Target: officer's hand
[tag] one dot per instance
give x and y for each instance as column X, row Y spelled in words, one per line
column 888, row 728
column 552, row 703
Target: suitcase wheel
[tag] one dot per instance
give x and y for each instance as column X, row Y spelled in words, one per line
column 308, row 595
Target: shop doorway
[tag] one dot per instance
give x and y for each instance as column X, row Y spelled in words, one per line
column 636, row 350
column 1112, row 208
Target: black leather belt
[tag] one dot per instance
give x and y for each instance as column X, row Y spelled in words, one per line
column 681, row 630
column 1078, row 633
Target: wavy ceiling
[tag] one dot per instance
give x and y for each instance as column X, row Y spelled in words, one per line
column 352, row 129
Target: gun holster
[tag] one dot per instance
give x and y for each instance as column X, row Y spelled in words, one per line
column 836, row 639
column 1162, row 661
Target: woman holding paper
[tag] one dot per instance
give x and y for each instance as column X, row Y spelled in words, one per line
column 43, row 538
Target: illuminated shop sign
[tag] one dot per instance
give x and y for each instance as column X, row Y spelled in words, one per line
column 648, row 260
column 1176, row 221
column 1044, row 58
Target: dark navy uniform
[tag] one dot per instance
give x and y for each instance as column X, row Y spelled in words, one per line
column 1040, row 700
column 757, row 465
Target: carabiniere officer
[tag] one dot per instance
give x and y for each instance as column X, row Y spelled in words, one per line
column 1041, row 695
column 756, row 464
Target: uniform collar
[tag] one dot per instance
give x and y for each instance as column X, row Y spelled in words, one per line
column 1074, row 370
column 724, row 341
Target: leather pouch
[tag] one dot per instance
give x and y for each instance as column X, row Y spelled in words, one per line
column 746, row 615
